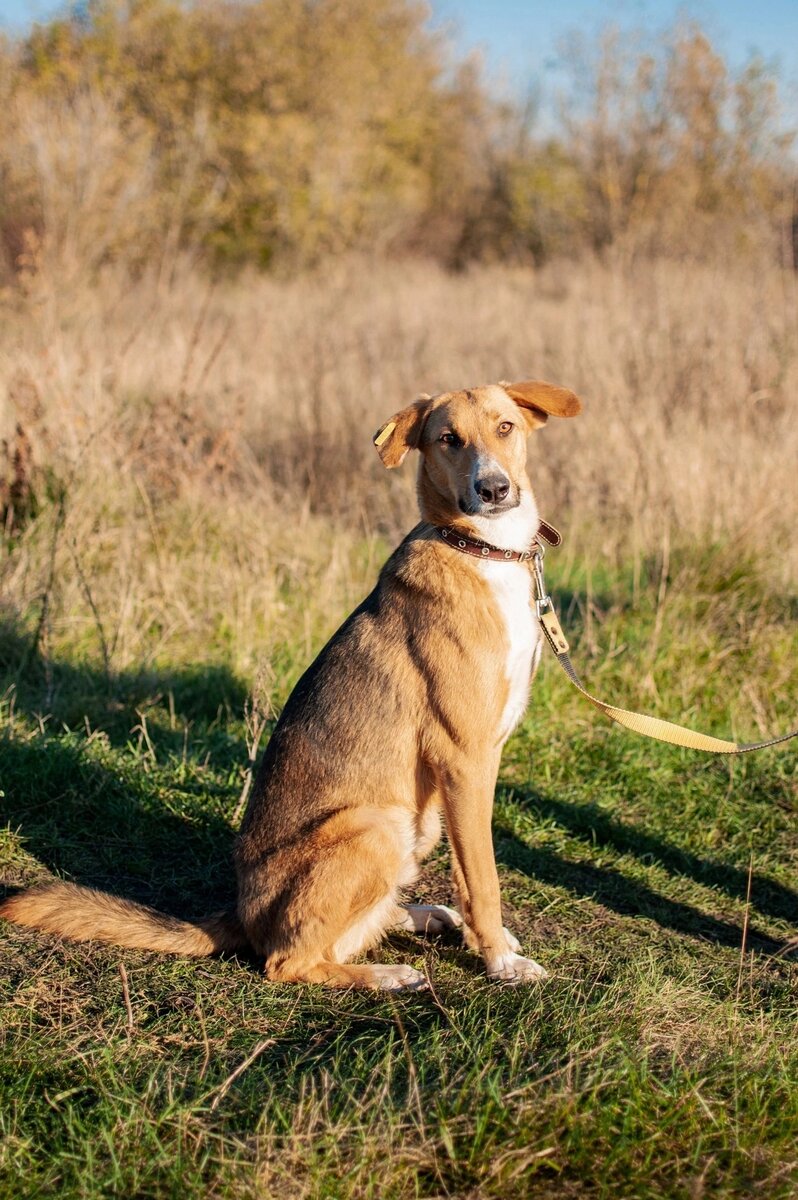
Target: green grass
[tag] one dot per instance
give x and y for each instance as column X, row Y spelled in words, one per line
column 661, row 1059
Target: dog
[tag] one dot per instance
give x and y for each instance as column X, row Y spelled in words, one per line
column 395, row 729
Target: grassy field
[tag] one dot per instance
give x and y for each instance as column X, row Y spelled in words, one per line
column 659, row 1060
column 187, row 543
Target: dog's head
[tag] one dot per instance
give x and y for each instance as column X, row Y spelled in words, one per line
column 473, row 445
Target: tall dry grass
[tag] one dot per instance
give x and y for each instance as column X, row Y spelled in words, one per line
column 200, row 466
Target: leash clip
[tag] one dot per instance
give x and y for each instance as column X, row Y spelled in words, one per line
column 542, row 598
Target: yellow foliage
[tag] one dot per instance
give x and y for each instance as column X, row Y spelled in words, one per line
column 283, row 131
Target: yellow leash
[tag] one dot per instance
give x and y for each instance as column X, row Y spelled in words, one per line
column 653, row 727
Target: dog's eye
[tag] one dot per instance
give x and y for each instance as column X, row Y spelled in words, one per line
column 505, row 428
column 449, row 439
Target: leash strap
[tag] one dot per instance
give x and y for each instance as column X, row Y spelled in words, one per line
column 652, row 727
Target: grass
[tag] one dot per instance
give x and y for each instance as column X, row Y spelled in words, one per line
column 658, row 886
column 196, row 507
column 239, row 407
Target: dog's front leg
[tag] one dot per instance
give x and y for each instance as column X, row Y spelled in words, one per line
column 469, row 937
column 468, row 804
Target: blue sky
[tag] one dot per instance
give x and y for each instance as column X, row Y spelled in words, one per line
column 519, row 38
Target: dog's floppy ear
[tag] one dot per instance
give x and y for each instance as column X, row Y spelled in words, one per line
column 402, row 432
column 541, row 400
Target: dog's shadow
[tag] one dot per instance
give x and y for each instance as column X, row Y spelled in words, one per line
column 615, row 890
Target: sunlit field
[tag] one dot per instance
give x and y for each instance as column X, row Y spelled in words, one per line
column 197, row 506
column 235, row 238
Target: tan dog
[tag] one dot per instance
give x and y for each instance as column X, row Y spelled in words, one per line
column 401, row 718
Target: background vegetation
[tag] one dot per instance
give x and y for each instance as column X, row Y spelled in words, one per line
column 278, row 132
column 235, row 239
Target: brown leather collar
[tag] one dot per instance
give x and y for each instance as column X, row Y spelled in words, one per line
column 484, row 550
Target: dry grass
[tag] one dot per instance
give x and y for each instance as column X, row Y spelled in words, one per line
column 212, row 445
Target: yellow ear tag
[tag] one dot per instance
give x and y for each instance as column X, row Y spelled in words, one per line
column 385, row 433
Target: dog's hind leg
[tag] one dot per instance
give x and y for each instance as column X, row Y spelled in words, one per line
column 427, row 918
column 428, row 825
column 378, row 976
column 339, row 905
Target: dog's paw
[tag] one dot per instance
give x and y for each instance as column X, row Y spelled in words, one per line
column 513, row 943
column 431, row 918
column 513, row 969
column 395, row 979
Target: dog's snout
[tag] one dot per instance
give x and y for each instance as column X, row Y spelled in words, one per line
column 492, row 488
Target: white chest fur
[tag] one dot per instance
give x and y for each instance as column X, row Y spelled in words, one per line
column 511, row 587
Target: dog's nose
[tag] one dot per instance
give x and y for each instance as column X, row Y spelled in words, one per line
column 492, row 489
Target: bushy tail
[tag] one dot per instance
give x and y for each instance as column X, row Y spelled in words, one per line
column 83, row 915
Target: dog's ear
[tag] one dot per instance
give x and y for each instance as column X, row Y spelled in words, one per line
column 540, row 400
column 402, row 432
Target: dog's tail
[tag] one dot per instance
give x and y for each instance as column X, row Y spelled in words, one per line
column 84, row 915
